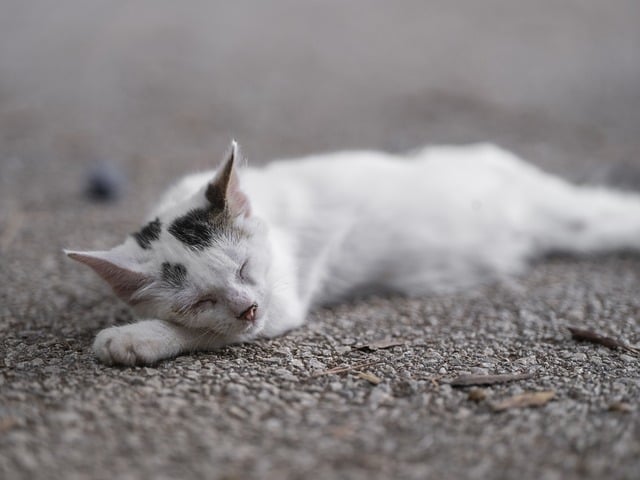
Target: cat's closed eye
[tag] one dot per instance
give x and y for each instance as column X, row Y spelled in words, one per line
column 243, row 273
column 204, row 303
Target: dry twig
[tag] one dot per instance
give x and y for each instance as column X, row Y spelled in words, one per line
column 583, row 335
column 468, row 380
column 528, row 399
column 369, row 377
column 380, row 344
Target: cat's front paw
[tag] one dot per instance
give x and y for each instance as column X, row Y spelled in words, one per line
column 129, row 345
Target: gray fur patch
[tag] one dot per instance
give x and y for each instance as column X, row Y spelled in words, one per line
column 149, row 233
column 174, row 274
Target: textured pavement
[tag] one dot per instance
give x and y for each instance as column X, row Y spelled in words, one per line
column 157, row 91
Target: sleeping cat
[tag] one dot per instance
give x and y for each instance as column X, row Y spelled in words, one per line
column 239, row 253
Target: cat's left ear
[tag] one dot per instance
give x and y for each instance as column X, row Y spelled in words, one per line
column 117, row 270
column 223, row 192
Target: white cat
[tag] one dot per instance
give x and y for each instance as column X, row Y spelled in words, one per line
column 232, row 255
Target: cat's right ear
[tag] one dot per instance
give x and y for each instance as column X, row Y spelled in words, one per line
column 223, row 192
column 118, row 271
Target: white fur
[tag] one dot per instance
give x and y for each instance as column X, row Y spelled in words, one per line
column 350, row 223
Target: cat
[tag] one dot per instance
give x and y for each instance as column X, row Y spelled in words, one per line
column 239, row 253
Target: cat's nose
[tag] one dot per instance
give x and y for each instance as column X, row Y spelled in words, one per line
column 250, row 313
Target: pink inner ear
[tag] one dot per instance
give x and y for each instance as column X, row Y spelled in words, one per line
column 237, row 200
column 123, row 281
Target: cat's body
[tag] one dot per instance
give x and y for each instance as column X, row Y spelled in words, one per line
column 248, row 254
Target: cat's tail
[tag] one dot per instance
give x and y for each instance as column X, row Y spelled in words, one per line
column 586, row 219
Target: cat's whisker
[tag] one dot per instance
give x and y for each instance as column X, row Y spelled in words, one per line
column 209, row 334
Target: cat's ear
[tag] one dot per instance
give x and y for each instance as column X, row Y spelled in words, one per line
column 223, row 192
column 117, row 270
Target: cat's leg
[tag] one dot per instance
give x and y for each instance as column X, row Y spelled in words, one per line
column 149, row 341
column 286, row 312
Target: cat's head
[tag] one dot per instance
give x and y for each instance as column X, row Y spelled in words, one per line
column 201, row 263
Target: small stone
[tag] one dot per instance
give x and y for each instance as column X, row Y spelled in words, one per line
column 67, row 417
column 530, row 360
column 479, row 371
column 193, row 375
column 236, row 390
column 316, row 365
column 26, row 459
column 285, row 374
column 335, row 386
column 463, row 413
column 297, row 363
column 379, row 397
column 273, row 424
column 154, row 383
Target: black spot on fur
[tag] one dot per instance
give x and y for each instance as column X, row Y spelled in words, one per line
column 174, row 274
column 195, row 228
column 203, row 227
column 149, row 233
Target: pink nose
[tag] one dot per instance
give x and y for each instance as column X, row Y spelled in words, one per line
column 249, row 314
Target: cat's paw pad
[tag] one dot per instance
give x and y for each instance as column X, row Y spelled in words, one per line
column 126, row 346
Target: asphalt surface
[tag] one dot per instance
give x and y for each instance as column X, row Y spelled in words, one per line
column 153, row 91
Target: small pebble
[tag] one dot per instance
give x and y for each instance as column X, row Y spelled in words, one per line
column 579, row 356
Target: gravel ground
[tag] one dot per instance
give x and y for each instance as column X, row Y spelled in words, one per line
column 159, row 92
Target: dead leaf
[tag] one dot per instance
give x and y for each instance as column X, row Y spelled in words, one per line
column 435, row 381
column 622, row 407
column 477, row 394
column 380, row 344
column 583, row 335
column 468, row 380
column 524, row 400
column 370, row 377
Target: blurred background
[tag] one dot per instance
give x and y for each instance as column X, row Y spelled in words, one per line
column 134, row 94
column 166, row 84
